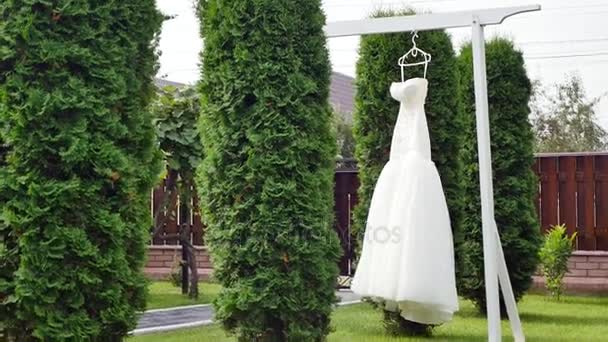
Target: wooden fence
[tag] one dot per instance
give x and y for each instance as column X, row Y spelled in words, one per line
column 573, row 189
column 179, row 218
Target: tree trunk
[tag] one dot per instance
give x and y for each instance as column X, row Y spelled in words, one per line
column 186, row 229
column 191, row 252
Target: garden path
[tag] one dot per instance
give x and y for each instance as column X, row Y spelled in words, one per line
column 153, row 321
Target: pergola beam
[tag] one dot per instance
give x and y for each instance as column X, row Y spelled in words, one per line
column 422, row 22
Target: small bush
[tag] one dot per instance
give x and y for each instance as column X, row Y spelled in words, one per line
column 554, row 256
column 176, row 273
column 395, row 325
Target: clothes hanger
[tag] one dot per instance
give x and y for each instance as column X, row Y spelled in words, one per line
column 414, row 51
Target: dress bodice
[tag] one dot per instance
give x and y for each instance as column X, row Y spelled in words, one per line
column 411, row 92
column 411, row 132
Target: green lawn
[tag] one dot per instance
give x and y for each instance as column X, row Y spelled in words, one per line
column 165, row 295
column 571, row 319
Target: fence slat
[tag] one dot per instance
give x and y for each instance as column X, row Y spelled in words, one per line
column 586, row 207
column 157, row 198
column 536, row 169
column 601, row 204
column 567, row 193
column 345, row 198
column 549, row 193
column 171, row 226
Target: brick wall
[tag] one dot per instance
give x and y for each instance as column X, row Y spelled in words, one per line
column 161, row 260
column 588, row 272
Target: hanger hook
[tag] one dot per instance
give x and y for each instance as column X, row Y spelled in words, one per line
column 414, row 36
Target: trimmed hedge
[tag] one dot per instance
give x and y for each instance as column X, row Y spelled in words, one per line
column 75, row 78
column 376, row 113
column 509, row 91
column 266, row 183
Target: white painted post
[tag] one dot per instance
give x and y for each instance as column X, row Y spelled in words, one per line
column 507, row 291
column 485, row 181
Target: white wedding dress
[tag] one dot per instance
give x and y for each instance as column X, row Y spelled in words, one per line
column 407, row 260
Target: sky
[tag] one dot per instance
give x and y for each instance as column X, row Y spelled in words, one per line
column 564, row 37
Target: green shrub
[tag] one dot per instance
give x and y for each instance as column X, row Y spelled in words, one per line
column 266, row 182
column 554, row 254
column 515, row 184
column 376, row 114
column 396, row 325
column 176, row 274
column 75, row 78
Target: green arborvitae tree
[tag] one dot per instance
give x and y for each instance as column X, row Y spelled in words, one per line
column 509, row 91
column 75, row 80
column 9, row 257
column 376, row 114
column 266, row 182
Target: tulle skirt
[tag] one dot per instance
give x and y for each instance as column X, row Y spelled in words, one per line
column 407, row 260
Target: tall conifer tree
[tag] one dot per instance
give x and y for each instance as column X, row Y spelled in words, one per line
column 509, row 91
column 75, row 80
column 266, row 182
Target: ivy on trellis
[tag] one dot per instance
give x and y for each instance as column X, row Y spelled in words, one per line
column 176, row 112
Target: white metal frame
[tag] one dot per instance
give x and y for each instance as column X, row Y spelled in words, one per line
column 494, row 262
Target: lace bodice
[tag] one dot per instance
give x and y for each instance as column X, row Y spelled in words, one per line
column 411, row 134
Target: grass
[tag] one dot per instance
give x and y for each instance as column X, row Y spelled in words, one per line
column 163, row 294
column 544, row 319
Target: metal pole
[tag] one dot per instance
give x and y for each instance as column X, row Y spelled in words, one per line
column 507, row 291
column 485, row 181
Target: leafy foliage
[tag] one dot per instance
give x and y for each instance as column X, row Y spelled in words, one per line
column 267, row 178
column 554, row 256
column 75, row 78
column 376, row 114
column 509, row 91
column 176, row 114
column 565, row 120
